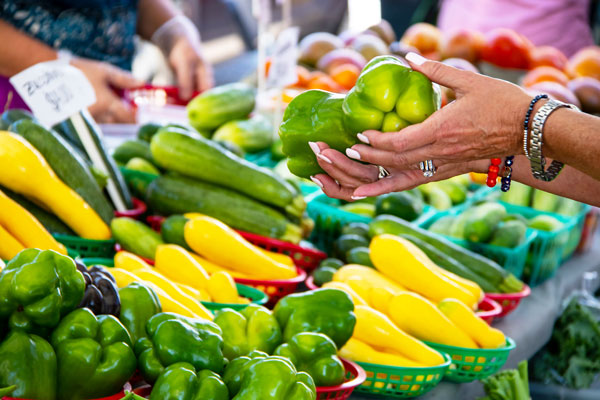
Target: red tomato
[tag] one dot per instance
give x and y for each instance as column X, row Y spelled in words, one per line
column 548, row 56
column 506, row 48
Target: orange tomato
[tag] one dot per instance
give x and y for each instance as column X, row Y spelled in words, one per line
column 586, row 62
column 549, row 56
column 424, row 37
column 303, row 76
column 544, row 74
column 345, row 75
column 325, row 83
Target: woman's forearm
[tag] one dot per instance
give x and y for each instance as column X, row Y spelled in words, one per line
column 152, row 14
column 20, row 51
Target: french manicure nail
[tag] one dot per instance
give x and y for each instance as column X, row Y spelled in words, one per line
column 322, row 157
column 318, row 182
column 353, row 154
column 358, row 197
column 415, row 58
column 363, row 138
column 314, row 147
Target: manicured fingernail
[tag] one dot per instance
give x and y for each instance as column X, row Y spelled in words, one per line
column 318, row 182
column 353, row 154
column 363, row 138
column 415, row 58
column 322, row 157
column 314, row 147
column 358, row 197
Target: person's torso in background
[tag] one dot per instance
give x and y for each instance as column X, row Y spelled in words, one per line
column 101, row 30
column 563, row 24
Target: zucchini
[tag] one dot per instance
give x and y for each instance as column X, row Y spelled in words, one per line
column 137, row 181
column 203, row 159
column 9, row 117
column 142, row 165
column 484, row 267
column 172, row 230
column 170, row 194
column 482, row 222
column 148, row 130
column 50, row 221
column 136, row 237
column 251, row 135
column 443, row 225
column 67, row 165
column 509, row 234
column 131, row 149
column 451, row 265
column 544, row 201
column 519, row 194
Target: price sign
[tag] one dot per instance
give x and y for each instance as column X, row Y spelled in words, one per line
column 54, row 91
column 285, row 53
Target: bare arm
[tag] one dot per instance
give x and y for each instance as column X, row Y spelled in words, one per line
column 152, row 14
column 20, row 51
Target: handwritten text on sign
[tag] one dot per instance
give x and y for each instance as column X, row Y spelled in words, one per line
column 283, row 66
column 54, row 91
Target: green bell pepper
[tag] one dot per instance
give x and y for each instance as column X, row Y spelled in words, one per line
column 264, row 377
column 29, row 363
column 180, row 381
column 253, row 328
column 5, row 391
column 94, row 355
column 327, row 311
column 173, row 338
column 315, row 354
column 313, row 116
column 389, row 96
column 139, row 303
column 37, row 288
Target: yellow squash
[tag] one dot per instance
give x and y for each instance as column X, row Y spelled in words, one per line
column 402, row 261
column 25, row 171
column 380, row 298
column 469, row 285
column 483, row 334
column 369, row 277
column 211, row 267
column 24, row 227
column 376, row 329
column 220, row 244
column 177, row 264
column 199, row 295
column 9, row 246
column 356, row 298
column 357, row 350
column 420, row 318
column 123, row 277
column 222, row 289
column 130, row 262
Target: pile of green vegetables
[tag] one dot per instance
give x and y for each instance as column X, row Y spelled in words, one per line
column 510, row 384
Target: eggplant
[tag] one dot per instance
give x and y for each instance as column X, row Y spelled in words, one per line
column 101, row 294
column 111, row 303
column 92, row 299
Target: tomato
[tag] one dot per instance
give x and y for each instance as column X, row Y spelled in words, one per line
column 506, row 48
column 548, row 56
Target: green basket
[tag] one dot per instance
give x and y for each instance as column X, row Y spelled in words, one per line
column 401, row 382
column 137, row 181
column 262, row 159
column 255, row 296
column 575, row 232
column 469, row 365
column 511, row 259
column 329, row 219
column 87, row 247
column 105, row 262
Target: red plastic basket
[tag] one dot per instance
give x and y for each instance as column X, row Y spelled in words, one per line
column 310, row 283
column 155, row 95
column 118, row 396
column 488, row 310
column 355, row 376
column 509, row 301
column 276, row 289
column 303, row 257
column 139, row 208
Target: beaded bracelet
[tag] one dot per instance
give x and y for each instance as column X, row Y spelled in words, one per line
column 507, row 173
column 493, row 171
column 526, row 122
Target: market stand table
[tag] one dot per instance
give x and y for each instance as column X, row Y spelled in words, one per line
column 530, row 325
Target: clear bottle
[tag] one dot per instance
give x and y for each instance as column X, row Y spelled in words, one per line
column 585, row 295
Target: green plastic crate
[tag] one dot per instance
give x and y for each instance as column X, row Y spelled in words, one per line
column 87, row 247
column 329, row 219
column 262, row 159
column 511, row 259
column 575, row 232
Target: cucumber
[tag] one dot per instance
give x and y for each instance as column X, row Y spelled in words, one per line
column 443, row 226
column 400, row 204
column 360, row 208
column 544, row 201
column 170, row 194
column 131, row 149
column 482, row 221
column 451, row 265
column 221, row 104
column 345, row 243
column 456, row 192
column 232, row 147
column 485, row 268
column 509, row 234
column 323, row 275
column 148, row 130
column 334, row 263
column 251, row 135
column 438, row 198
column 9, row 117
column 67, row 165
column 172, row 229
column 457, row 230
column 49, row 220
column 519, row 194
column 545, row 223
column 136, row 237
column 203, row 159
column 356, row 228
column 142, row 165
column 359, row 255
column 569, row 207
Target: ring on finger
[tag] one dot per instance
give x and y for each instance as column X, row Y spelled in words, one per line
column 427, row 168
column 382, row 172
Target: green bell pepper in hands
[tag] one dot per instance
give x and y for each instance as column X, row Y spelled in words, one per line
column 94, row 355
column 253, row 328
column 315, row 354
column 27, row 362
column 389, row 96
column 327, row 311
column 180, row 381
column 313, row 116
column 139, row 303
column 173, row 338
column 264, row 377
column 37, row 288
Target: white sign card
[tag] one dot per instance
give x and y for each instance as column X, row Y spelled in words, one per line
column 285, row 53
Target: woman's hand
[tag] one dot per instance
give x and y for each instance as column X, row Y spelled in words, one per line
column 192, row 70
column 104, row 77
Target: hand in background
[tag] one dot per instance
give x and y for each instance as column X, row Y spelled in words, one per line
column 192, row 70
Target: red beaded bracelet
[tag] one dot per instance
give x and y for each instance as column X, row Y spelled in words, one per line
column 493, row 171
